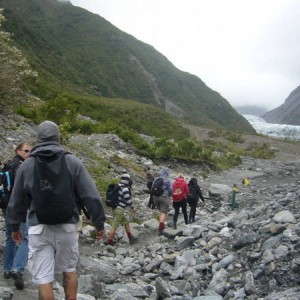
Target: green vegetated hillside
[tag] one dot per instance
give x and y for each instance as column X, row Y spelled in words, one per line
column 78, row 52
column 140, row 117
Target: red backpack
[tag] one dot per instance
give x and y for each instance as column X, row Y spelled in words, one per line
column 178, row 191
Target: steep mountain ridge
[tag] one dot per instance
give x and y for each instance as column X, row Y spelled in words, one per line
column 77, row 51
column 288, row 112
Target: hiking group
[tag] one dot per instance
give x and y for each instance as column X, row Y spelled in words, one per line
column 43, row 192
column 162, row 191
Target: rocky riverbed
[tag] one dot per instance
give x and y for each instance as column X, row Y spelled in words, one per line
column 250, row 252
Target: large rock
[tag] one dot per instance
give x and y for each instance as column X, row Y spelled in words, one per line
column 104, row 271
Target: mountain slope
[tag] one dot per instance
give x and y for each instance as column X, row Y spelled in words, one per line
column 75, row 50
column 251, row 110
column 288, row 112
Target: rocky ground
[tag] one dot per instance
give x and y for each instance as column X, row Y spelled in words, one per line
column 250, row 252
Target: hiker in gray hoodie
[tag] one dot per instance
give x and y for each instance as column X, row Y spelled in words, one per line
column 53, row 245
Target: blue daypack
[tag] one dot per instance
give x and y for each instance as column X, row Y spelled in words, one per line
column 5, row 187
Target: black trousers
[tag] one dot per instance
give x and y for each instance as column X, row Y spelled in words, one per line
column 183, row 205
column 151, row 202
column 193, row 205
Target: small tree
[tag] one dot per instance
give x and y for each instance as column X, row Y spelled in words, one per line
column 14, row 68
column 59, row 110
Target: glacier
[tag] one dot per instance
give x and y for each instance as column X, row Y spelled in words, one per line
column 282, row 131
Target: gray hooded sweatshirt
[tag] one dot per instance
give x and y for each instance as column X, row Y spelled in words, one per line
column 84, row 186
column 167, row 184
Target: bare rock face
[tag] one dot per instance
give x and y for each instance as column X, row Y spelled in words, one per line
column 288, row 112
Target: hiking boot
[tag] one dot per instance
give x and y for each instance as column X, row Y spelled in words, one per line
column 7, row 274
column 108, row 242
column 18, row 277
column 160, row 232
column 132, row 239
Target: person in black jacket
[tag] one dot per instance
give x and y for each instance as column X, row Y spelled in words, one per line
column 15, row 255
column 193, row 198
column 150, row 179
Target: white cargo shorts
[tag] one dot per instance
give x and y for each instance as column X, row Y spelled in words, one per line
column 52, row 249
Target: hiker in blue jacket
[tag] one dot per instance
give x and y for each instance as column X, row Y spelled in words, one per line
column 53, row 248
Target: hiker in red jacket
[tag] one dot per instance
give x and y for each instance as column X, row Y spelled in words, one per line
column 180, row 192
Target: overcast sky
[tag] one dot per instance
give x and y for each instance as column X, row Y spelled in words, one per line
column 247, row 50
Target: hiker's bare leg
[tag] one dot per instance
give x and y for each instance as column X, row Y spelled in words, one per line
column 129, row 234
column 127, row 228
column 46, row 291
column 162, row 218
column 112, row 234
column 70, row 285
column 161, row 226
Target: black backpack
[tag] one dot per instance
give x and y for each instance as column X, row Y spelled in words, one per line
column 53, row 192
column 192, row 193
column 112, row 195
column 150, row 182
column 157, row 187
column 5, row 187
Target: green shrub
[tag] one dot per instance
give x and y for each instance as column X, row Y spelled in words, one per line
column 215, row 133
column 163, row 148
column 261, row 151
column 227, row 135
column 83, row 127
column 234, row 137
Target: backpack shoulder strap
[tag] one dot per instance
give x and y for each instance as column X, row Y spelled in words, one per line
column 7, row 179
